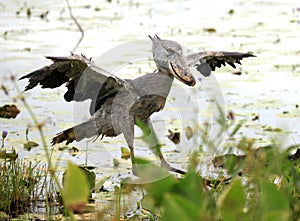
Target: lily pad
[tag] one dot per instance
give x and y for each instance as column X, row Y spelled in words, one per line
column 271, row 129
column 29, row 145
column 116, row 162
column 125, row 153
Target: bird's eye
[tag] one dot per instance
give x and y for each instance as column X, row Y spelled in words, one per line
column 170, row 50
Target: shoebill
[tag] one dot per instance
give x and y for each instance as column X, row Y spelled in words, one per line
column 117, row 104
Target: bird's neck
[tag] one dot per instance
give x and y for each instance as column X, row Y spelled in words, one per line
column 157, row 83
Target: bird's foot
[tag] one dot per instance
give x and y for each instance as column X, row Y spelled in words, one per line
column 164, row 164
column 167, row 166
column 177, row 170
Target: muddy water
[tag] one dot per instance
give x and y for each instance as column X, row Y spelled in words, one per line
column 268, row 87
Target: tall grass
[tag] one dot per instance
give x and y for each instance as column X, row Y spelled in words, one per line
column 23, row 185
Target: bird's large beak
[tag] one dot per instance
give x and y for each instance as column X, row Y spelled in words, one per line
column 180, row 71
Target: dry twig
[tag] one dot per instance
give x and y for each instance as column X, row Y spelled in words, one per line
column 77, row 24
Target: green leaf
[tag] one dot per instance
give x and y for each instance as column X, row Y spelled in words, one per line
column 157, row 180
column 149, row 204
column 232, row 202
column 176, row 207
column 90, row 177
column 221, row 118
column 274, row 204
column 76, row 188
column 191, row 187
column 99, row 184
column 237, row 128
column 125, row 153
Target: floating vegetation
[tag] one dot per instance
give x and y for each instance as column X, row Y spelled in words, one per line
column 189, row 132
column 116, row 162
column 9, row 111
column 174, row 137
column 231, row 12
column 210, row 30
column 29, row 144
column 271, row 129
column 125, row 153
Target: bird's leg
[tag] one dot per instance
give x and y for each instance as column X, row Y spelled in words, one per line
column 157, row 151
column 128, row 131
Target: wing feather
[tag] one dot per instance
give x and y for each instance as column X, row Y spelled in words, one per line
column 83, row 79
column 213, row 60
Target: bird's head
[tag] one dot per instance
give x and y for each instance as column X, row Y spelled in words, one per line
column 168, row 57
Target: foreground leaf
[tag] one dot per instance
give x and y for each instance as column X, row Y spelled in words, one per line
column 232, row 202
column 176, row 207
column 273, row 203
column 76, row 189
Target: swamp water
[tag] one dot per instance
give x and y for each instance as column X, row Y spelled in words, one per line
column 266, row 95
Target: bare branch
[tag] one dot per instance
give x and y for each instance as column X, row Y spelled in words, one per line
column 77, row 24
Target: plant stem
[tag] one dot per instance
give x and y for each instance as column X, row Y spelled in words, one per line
column 118, row 202
column 39, row 126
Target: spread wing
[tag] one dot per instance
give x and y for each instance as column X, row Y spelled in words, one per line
column 208, row 61
column 83, row 79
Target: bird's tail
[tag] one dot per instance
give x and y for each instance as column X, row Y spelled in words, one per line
column 78, row 132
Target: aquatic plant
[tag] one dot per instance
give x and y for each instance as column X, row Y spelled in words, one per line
column 19, row 186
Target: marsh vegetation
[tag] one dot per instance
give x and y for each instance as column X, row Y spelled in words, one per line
column 252, row 175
